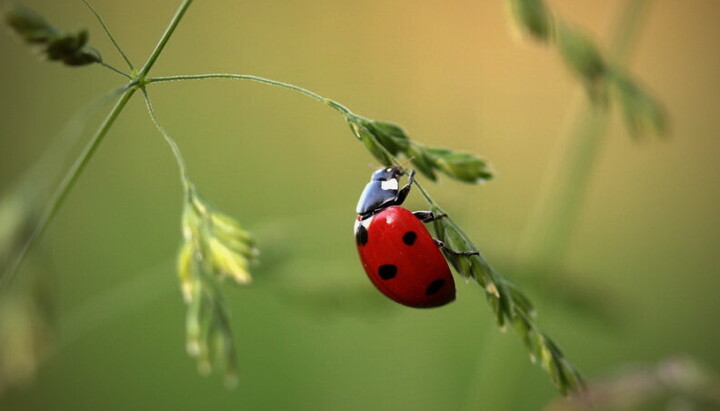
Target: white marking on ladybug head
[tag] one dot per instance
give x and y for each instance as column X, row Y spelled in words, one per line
column 365, row 223
column 391, row 184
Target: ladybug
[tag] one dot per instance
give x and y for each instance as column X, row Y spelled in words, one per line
column 398, row 253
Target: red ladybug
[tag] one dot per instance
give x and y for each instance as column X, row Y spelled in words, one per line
column 398, row 253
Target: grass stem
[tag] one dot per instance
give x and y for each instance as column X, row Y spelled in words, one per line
column 566, row 181
column 171, row 142
column 116, row 70
column 163, row 40
column 66, row 185
column 110, row 36
column 249, row 77
column 71, row 177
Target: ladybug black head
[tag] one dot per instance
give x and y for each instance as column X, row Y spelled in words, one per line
column 387, row 173
column 382, row 191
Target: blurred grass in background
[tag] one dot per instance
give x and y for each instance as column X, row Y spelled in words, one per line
column 311, row 332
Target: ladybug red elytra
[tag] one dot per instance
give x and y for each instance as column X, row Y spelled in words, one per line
column 398, row 253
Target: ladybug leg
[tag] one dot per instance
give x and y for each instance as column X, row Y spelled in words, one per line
column 403, row 192
column 442, row 245
column 428, row 216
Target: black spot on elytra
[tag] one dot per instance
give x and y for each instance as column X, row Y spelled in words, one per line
column 387, row 271
column 409, row 238
column 434, row 286
column 361, row 235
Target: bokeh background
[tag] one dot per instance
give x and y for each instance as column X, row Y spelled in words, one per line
column 311, row 331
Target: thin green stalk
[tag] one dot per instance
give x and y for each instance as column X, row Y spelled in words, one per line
column 107, row 31
column 78, row 166
column 163, row 40
column 120, row 72
column 334, row 104
column 171, row 142
column 67, row 183
column 566, row 181
column 626, row 30
column 562, row 199
column 565, row 184
column 426, row 196
column 41, row 174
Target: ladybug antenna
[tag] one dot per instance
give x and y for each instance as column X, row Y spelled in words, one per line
column 405, row 163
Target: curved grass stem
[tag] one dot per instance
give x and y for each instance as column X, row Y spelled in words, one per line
column 334, row 104
column 182, row 166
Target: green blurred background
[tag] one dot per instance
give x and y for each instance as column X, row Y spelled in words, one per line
column 311, row 331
